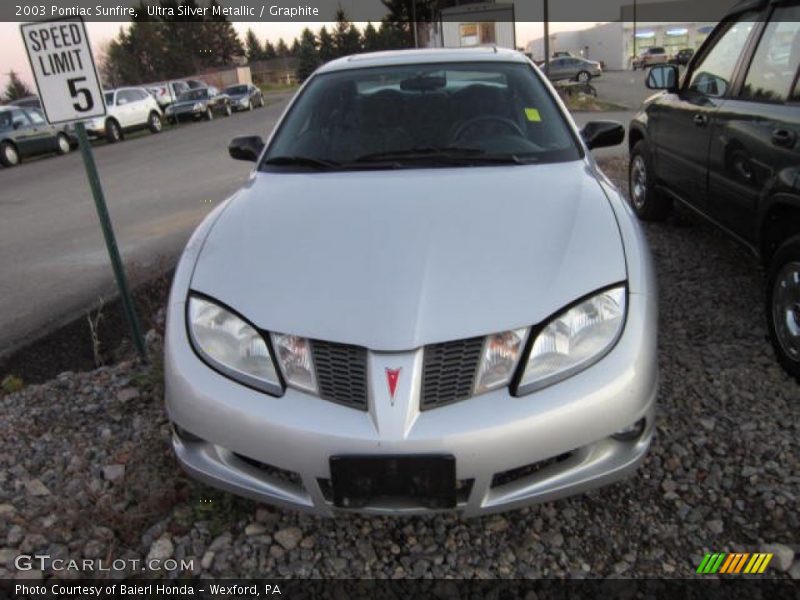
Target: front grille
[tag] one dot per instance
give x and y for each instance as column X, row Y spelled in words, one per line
column 341, row 373
column 448, row 372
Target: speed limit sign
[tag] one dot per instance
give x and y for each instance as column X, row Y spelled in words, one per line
column 64, row 69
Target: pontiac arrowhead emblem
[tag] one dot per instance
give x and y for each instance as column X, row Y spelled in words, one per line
column 392, row 377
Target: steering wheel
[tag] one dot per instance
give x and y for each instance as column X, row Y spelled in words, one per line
column 504, row 121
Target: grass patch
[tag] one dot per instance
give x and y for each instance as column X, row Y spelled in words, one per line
column 11, row 384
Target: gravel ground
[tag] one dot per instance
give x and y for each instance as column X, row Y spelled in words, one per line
column 86, row 470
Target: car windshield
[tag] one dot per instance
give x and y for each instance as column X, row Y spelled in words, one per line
column 109, row 98
column 460, row 114
column 5, row 119
column 201, row 94
column 236, row 90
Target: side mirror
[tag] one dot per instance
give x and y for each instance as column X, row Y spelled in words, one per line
column 601, row 134
column 663, row 77
column 246, row 147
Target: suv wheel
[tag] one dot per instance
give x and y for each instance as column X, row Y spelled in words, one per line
column 783, row 305
column 8, row 154
column 584, row 77
column 646, row 202
column 154, row 122
column 209, row 114
column 62, row 144
column 228, row 110
column 113, row 131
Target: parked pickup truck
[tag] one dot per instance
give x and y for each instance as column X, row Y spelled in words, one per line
column 166, row 92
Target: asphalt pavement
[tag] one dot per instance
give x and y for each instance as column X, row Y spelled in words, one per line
column 53, row 260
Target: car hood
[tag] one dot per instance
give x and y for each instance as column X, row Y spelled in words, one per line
column 396, row 260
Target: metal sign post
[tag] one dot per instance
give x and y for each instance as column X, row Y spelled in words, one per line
column 69, row 90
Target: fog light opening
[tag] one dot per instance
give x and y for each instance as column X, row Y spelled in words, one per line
column 185, row 435
column 632, row 432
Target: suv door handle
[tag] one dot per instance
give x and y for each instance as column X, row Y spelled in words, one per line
column 783, row 137
column 700, row 120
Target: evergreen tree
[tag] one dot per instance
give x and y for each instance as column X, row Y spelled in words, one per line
column 253, row 49
column 308, row 54
column 371, row 39
column 295, row 49
column 281, row 49
column 154, row 48
column 345, row 35
column 269, row 50
column 15, row 88
column 327, row 49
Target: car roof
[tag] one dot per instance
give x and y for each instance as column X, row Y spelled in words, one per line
column 423, row 56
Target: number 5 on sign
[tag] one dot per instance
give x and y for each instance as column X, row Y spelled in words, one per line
column 64, row 70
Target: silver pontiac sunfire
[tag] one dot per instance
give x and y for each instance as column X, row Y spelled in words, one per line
column 426, row 297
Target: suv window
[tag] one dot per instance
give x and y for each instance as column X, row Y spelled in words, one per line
column 18, row 118
column 126, row 95
column 36, row 117
column 657, row 50
column 139, row 95
column 712, row 75
column 775, row 64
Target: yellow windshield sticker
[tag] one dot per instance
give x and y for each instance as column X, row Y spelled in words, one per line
column 533, row 115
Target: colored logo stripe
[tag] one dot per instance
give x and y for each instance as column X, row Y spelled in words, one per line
column 733, row 563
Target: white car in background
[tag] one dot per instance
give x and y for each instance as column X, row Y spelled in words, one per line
column 128, row 109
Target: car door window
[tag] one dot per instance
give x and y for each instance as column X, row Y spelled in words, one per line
column 775, row 65
column 36, row 117
column 712, row 75
column 125, row 96
column 19, row 120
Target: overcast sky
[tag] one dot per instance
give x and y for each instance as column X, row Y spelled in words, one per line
column 13, row 55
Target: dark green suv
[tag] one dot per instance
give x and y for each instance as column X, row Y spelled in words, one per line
column 25, row 132
column 724, row 140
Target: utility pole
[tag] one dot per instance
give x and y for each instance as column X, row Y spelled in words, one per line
column 634, row 33
column 546, row 38
column 414, row 21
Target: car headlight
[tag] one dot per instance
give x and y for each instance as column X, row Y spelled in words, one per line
column 499, row 359
column 297, row 365
column 574, row 340
column 231, row 345
column 197, row 106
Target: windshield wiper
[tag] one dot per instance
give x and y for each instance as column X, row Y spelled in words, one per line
column 426, row 152
column 302, row 161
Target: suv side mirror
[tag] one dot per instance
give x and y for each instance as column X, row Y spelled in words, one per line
column 601, row 134
column 663, row 77
column 246, row 147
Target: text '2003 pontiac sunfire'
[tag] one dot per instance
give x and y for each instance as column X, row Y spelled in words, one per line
column 426, row 297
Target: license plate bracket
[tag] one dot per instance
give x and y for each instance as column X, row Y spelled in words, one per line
column 425, row 479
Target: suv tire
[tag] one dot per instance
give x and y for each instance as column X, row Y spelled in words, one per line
column 154, row 122
column 646, row 202
column 783, row 305
column 9, row 155
column 113, row 131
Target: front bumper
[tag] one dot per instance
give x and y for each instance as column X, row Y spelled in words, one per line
column 277, row 450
